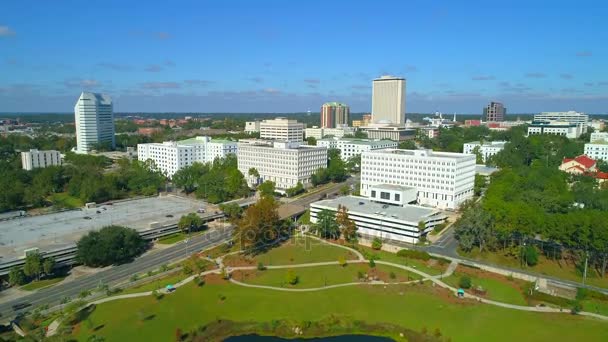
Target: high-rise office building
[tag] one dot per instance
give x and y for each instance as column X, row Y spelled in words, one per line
column 388, row 100
column 495, row 111
column 334, row 114
column 94, row 122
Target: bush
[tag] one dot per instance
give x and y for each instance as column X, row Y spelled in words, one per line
column 392, row 275
column 360, row 275
column 414, row 254
column 261, row 266
column 291, row 277
column 376, row 243
column 372, row 263
column 465, row 282
column 342, row 261
column 530, row 255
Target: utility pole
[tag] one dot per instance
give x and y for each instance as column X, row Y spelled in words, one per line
column 585, row 271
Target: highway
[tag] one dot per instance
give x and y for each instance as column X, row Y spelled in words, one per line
column 113, row 275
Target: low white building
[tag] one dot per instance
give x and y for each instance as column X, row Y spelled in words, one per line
column 252, row 126
column 442, row 179
column 282, row 129
column 569, row 130
column 378, row 219
column 350, row 147
column 595, row 136
column 391, row 132
column 572, row 117
column 39, row 159
column 284, row 163
column 170, row 156
column 486, row 148
column 597, row 148
column 321, row 132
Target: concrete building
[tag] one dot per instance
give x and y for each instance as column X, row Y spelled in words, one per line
column 597, row 125
column 494, row 111
column 366, row 119
column 388, row 100
column 34, row 159
column 595, row 136
column 171, row 156
column 284, row 163
column 442, row 179
column 487, row 148
column 429, row 132
column 320, row 132
column 350, row 147
column 252, row 126
column 597, row 148
column 377, row 218
column 567, row 129
column 282, row 129
column 334, row 114
column 572, row 117
column 94, row 117
column 387, row 131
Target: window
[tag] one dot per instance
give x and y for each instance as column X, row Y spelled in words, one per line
column 373, row 193
column 397, row 197
column 385, row 195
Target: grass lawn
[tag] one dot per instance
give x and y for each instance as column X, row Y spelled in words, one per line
column 155, row 284
column 595, row 306
column 64, row 200
column 35, row 285
column 412, row 306
column 297, row 250
column 498, row 288
column 564, row 269
column 433, row 267
column 309, row 277
column 177, row 237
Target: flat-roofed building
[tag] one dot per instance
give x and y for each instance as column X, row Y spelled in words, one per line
column 571, row 117
column 94, row 117
column 350, row 147
column 252, row 126
column 334, row 114
column 320, row 132
column 442, row 179
column 171, row 156
column 34, row 158
column 284, row 163
column 567, row 129
column 378, row 219
column 494, row 111
column 282, row 129
column 388, row 131
column 388, row 100
column 487, row 149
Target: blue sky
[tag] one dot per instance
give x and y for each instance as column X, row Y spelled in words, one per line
column 290, row 56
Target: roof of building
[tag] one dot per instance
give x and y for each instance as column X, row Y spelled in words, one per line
column 582, row 159
column 485, row 170
column 335, row 104
column 425, row 153
column 355, row 141
column 393, row 187
column 410, row 213
column 488, row 143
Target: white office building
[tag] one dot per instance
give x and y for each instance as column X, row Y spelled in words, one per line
column 388, row 100
column 486, row 148
column 388, row 131
column 284, row 163
column 170, row 156
column 282, row 129
column 595, row 136
column 572, row 117
column 597, row 148
column 94, row 117
column 33, row 159
column 567, row 129
column 375, row 218
column 321, row 132
column 350, row 147
column 442, row 179
column 252, row 127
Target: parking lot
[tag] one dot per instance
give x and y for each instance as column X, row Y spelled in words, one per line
column 58, row 230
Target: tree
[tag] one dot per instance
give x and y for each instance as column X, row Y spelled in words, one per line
column 354, row 163
column 344, row 190
column 109, row 245
column 16, row 276
column 478, row 155
column 421, row 226
column 190, row 223
column 348, row 228
column 232, row 210
column 291, row 277
column 465, row 282
column 311, row 141
column 377, row 243
column 259, row 227
column 407, row 145
column 372, row 263
column 480, row 183
column 48, row 265
column 530, row 255
column 296, row 190
column 188, row 177
column 267, row 189
column 33, row 265
column 326, row 225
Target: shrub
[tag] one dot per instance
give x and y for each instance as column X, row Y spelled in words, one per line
column 530, row 255
column 414, row 254
column 392, row 275
column 261, row 266
column 342, row 261
column 291, row 277
column 372, row 263
column 576, row 308
column 465, row 282
column 376, row 243
column 360, row 275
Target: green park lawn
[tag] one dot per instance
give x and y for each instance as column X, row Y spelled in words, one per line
column 64, row 200
column 416, row 307
column 497, row 287
column 35, row 285
column 434, row 267
column 310, row 277
column 297, row 250
column 171, row 239
column 561, row 269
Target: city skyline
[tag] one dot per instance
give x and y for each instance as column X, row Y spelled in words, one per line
column 265, row 57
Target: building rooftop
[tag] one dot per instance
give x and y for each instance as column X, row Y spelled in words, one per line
column 489, row 143
column 356, row 141
column 485, row 170
column 335, row 104
column 355, row 204
column 424, row 153
column 393, row 187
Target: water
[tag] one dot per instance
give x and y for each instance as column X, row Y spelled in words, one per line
column 343, row 338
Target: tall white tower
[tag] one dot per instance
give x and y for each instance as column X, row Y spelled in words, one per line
column 388, row 100
column 94, row 122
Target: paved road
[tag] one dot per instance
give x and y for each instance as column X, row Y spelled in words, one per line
column 54, row 294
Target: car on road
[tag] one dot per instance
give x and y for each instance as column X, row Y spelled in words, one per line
column 168, row 215
column 87, row 218
column 21, row 306
column 201, row 210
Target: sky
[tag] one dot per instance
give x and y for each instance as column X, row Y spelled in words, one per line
column 292, row 56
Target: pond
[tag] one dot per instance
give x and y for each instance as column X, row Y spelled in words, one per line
column 342, row 338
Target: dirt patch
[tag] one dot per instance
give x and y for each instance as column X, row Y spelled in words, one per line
column 214, row 279
column 239, row 260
